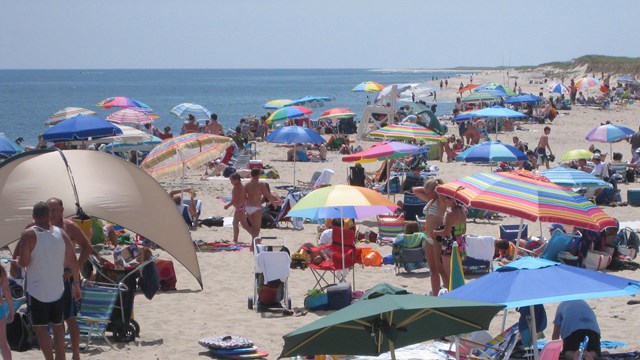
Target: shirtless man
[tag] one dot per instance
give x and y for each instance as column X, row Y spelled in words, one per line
column 45, row 251
column 543, row 146
column 238, row 201
column 190, row 126
column 78, row 238
column 254, row 191
column 214, row 127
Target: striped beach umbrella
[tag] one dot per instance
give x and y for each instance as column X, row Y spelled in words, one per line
column 337, row 113
column 385, row 150
column 368, row 86
column 129, row 116
column 491, row 151
column 121, row 102
column 183, row 110
column 586, row 82
column 407, row 132
column 529, row 197
column 67, row 113
column 558, row 88
column 276, row 104
column 173, row 156
column 288, row 112
column 496, row 88
column 609, row 133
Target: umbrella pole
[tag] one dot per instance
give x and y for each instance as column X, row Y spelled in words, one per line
column 295, row 154
column 343, row 276
column 515, row 256
column 534, row 332
column 392, row 350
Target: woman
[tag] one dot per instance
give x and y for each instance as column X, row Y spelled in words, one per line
column 7, row 314
column 454, row 228
column 434, row 213
column 518, row 144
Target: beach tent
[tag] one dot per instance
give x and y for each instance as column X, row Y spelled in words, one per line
column 104, row 186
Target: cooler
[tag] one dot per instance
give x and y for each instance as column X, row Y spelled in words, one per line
column 256, row 164
column 339, row 296
column 633, row 197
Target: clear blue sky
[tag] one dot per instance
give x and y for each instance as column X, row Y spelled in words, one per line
column 310, row 34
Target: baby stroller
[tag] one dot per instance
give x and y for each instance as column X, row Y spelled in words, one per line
column 122, row 325
column 272, row 268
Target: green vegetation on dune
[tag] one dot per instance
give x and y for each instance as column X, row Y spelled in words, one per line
column 600, row 64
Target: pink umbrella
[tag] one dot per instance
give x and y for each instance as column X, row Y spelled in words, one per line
column 586, row 82
column 129, row 116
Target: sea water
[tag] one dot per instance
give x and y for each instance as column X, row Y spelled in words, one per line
column 28, row 97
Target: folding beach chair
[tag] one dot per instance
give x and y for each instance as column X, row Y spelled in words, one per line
column 551, row 350
column 498, row 348
column 412, row 206
column 389, row 226
column 334, row 265
column 480, row 251
column 309, row 184
column 510, row 232
column 559, row 242
column 408, row 252
column 96, row 307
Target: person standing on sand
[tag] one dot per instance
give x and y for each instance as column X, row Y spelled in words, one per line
column 254, row 191
column 238, row 201
column 543, row 146
column 190, row 126
column 634, row 140
column 214, row 126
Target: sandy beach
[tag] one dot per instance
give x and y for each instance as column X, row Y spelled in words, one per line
column 173, row 321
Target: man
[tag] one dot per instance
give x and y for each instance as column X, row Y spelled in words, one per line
column 190, row 126
column 238, row 200
column 214, row 127
column 634, row 140
column 254, row 191
column 574, row 320
column 189, row 212
column 77, row 237
column 599, row 169
column 543, row 146
column 166, row 134
column 45, row 251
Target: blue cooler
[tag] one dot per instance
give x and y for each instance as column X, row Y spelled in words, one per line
column 339, row 296
column 633, row 197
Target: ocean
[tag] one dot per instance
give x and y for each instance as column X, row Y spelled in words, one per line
column 28, row 97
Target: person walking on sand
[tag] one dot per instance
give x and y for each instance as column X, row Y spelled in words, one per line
column 543, row 146
column 45, row 250
column 254, row 191
column 238, row 201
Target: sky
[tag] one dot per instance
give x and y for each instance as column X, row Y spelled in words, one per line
column 398, row 34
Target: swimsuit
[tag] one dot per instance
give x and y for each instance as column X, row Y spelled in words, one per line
column 252, row 209
column 457, row 232
column 431, row 209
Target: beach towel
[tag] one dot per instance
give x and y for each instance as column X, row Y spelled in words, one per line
column 480, row 247
column 274, row 265
column 149, row 281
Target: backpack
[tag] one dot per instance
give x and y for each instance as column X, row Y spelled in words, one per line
column 20, row 334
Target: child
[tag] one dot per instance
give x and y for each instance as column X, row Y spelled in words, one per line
column 7, row 314
column 238, row 200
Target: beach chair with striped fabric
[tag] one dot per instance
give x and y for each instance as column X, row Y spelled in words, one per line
column 498, row 348
column 96, row 307
column 389, row 226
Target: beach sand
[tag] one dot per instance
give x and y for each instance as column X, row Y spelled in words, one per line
column 173, row 321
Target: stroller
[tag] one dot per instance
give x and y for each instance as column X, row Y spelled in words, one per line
column 122, row 325
column 272, row 269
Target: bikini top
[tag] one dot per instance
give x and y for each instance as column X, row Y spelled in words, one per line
column 432, row 209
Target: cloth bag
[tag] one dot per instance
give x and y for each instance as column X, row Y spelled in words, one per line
column 596, row 260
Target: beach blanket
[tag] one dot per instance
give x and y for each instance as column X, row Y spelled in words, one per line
column 633, row 355
column 604, row 344
column 224, row 199
column 217, row 246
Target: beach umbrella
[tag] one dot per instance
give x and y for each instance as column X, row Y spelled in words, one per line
column 526, row 282
column 498, row 112
column 276, row 104
column 456, row 273
column 294, row 135
column 496, row 88
column 173, row 156
column 129, row 135
column 384, row 151
column 122, row 102
column 184, row 109
column 559, row 88
column 481, row 96
column 609, row 133
column 576, row 154
column 337, row 113
column 572, row 178
column 523, row 99
column 67, row 113
column 101, row 185
column 586, row 82
column 407, row 131
column 144, row 146
column 310, row 101
column 383, row 322
column 368, row 86
column 626, row 79
column 527, row 196
column 129, row 116
column 81, row 127
column 468, row 87
column 8, row 147
column 288, row 112
column 491, row 151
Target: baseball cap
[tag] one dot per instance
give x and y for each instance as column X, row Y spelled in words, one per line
column 553, row 227
column 596, row 156
column 638, row 150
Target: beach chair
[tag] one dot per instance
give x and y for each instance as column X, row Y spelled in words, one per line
column 559, row 242
column 242, row 161
column 334, row 265
column 357, row 176
column 498, row 348
column 618, row 171
column 510, row 232
column 412, row 206
column 96, row 307
column 193, row 218
column 272, row 270
column 408, row 252
column 389, row 226
column 311, row 182
column 551, row 350
column 480, row 251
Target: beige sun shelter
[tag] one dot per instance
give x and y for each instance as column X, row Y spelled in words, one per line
column 107, row 187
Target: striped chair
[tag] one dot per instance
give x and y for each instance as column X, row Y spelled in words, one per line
column 96, row 307
column 389, row 226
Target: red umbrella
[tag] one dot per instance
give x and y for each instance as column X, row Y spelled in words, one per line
column 469, row 87
column 337, row 113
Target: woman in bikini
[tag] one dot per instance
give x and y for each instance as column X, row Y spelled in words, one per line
column 454, row 228
column 434, row 213
column 7, row 314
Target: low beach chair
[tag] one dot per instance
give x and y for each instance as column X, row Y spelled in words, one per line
column 389, row 226
column 498, row 348
column 96, row 307
column 551, row 350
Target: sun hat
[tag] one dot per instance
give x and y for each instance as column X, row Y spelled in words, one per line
column 553, row 227
column 596, row 156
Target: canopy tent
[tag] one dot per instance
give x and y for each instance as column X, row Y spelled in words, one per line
column 105, row 187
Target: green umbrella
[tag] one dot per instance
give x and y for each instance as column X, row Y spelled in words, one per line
column 480, row 96
column 383, row 323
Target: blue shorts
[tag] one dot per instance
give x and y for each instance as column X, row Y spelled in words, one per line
column 70, row 306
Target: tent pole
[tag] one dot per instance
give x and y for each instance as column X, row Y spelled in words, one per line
column 515, row 256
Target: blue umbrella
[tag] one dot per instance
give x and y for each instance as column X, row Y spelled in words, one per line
column 184, row 109
column 529, row 281
column 491, row 151
column 295, row 135
column 498, row 112
column 310, row 101
column 8, row 147
column 571, row 178
column 81, row 128
column 627, row 79
column 523, row 99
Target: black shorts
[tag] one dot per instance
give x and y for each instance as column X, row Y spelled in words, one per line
column 43, row 313
column 70, row 305
column 572, row 342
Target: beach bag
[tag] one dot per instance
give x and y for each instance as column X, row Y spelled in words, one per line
column 20, row 333
column 596, row 260
column 316, row 300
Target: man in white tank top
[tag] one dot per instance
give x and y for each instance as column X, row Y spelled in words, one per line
column 44, row 251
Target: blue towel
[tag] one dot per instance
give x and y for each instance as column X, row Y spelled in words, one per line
column 604, row 344
column 150, row 280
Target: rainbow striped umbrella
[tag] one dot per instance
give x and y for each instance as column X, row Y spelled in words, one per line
column 609, row 133
column 129, row 116
column 288, row 112
column 337, row 113
column 122, row 102
column 407, row 132
column 368, row 86
column 527, row 196
column 385, row 150
column 586, row 82
column 67, row 113
column 173, row 156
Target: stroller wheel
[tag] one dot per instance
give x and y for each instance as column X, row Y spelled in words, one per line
column 124, row 333
column 250, row 303
column 136, row 327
